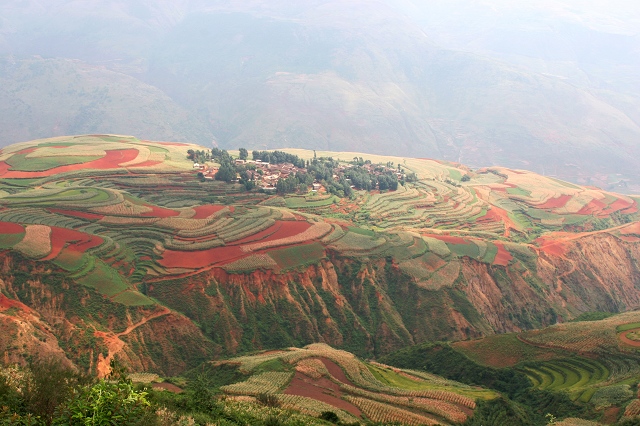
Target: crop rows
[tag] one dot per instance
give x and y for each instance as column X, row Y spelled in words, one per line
column 316, row 231
column 36, row 242
column 244, row 227
column 574, row 375
column 312, row 367
column 39, row 217
column 312, row 407
column 633, row 409
column 269, row 382
column 446, row 410
column 379, row 412
column 251, row 263
column 354, row 243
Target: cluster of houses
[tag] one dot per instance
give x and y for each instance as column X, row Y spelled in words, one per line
column 265, row 175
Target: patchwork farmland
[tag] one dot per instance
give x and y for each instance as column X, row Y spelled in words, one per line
column 125, row 241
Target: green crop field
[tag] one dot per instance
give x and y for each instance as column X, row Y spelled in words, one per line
column 22, row 162
column 293, row 257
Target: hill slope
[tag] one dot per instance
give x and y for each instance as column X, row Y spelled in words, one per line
column 113, row 246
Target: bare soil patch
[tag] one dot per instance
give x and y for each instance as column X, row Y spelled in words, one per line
column 321, row 389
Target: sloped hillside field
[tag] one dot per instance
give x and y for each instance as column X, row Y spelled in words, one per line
column 114, row 247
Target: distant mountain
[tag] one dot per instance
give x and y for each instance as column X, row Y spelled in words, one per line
column 364, row 76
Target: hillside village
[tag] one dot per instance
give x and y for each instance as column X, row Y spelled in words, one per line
column 266, row 175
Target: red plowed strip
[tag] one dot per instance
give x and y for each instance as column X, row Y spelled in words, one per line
column 160, row 212
column 11, row 228
column 555, row 203
column 203, row 212
column 111, row 160
column 503, row 257
column 289, row 229
column 632, row 228
column 200, row 259
column 336, row 371
column 322, row 390
column 594, row 207
column 72, row 240
column 4, row 168
column 625, row 339
column 260, row 235
column 620, row 204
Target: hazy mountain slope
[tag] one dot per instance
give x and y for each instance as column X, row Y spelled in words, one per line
column 357, row 76
column 61, row 96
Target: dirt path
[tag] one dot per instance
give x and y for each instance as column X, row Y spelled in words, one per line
column 115, row 344
column 564, row 274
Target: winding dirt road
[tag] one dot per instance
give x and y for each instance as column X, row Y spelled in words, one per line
column 115, row 344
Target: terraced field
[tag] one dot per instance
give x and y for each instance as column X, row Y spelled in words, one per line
column 137, row 206
column 589, row 360
column 319, row 378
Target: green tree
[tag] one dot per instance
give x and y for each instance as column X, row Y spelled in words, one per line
column 244, row 154
column 226, row 172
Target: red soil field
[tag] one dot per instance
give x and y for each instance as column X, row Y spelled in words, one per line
column 555, row 203
column 203, row 212
column 160, row 212
column 623, row 205
column 200, row 259
column 595, row 207
column 72, row 240
column 336, row 371
column 448, row 239
column 289, row 229
column 26, row 151
column 503, row 257
column 11, row 228
column 321, row 389
column 4, row 168
column 632, row 228
column 554, row 248
column 111, row 160
column 260, row 235
column 82, row 215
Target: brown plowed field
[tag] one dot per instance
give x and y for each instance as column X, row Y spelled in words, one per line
column 321, row 389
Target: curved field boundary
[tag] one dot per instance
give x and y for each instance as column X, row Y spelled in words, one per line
column 627, row 341
column 578, row 376
column 111, row 160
